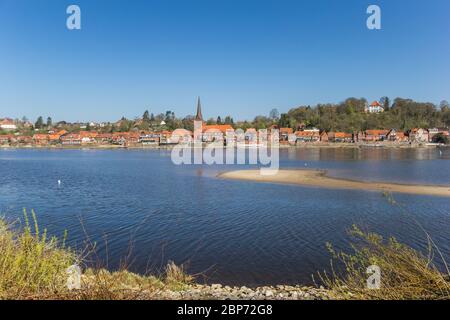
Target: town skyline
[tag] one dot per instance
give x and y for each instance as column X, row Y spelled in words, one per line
column 382, row 104
column 352, row 121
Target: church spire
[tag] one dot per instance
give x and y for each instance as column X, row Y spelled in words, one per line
column 199, row 116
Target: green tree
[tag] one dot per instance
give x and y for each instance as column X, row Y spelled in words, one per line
column 274, row 114
column 440, row 138
column 228, row 120
column 188, row 123
column 39, row 124
column 219, row 120
column 386, row 103
column 146, row 116
column 49, row 122
column 284, row 120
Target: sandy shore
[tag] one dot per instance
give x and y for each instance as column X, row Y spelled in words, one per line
column 317, row 178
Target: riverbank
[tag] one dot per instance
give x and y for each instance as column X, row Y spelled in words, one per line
column 219, row 292
column 151, row 288
column 315, row 178
column 35, row 267
column 281, row 146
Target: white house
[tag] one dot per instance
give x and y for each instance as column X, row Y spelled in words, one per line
column 7, row 124
column 374, row 107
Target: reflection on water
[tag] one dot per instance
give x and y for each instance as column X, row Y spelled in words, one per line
column 229, row 231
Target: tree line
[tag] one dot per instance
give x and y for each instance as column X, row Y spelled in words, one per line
column 348, row 116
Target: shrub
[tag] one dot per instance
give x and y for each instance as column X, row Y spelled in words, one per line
column 30, row 263
column 405, row 273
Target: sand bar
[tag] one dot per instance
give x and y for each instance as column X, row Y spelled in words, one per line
column 316, row 178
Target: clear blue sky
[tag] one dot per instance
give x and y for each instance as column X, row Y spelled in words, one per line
column 243, row 57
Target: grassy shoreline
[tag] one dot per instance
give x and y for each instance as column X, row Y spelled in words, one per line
column 33, row 266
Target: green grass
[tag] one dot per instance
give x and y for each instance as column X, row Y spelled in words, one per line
column 30, row 263
column 33, row 266
column 405, row 273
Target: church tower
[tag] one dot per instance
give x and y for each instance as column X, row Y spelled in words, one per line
column 198, row 116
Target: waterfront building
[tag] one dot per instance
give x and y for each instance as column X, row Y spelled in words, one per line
column 395, row 135
column 432, row 132
column 54, row 137
column 104, row 138
column 375, row 135
column 24, row 139
column 324, row 137
column 251, row 136
column 181, row 136
column 6, row 138
column 284, row 134
column 307, row 136
column 419, row 135
column 340, row 137
column 149, row 139
column 40, row 139
column 71, row 139
column 88, row 137
column 214, row 132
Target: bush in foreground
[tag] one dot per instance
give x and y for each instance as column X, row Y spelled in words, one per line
column 30, row 263
column 35, row 267
column 405, row 272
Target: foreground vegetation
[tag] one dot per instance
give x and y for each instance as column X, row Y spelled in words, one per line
column 33, row 266
column 405, row 273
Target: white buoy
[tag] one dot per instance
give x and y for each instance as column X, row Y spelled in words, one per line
column 59, row 182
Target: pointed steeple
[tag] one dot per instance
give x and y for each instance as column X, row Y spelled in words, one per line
column 199, row 116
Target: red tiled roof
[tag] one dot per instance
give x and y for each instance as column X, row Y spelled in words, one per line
column 376, row 132
column 375, row 104
column 342, row 135
column 6, row 121
column 24, row 138
column 71, row 136
column 88, row 134
column 181, row 132
column 286, row 130
column 306, row 133
column 417, row 129
column 40, row 136
column 217, row 127
column 104, row 136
